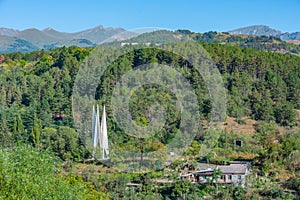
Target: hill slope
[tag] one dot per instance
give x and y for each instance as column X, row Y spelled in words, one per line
column 13, row 44
column 32, row 39
column 267, row 31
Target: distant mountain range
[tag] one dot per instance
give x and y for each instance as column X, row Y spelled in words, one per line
column 12, row 40
column 267, row 31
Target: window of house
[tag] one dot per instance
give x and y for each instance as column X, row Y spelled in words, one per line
column 239, row 177
column 223, row 178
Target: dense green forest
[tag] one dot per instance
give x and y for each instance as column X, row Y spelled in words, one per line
column 38, row 129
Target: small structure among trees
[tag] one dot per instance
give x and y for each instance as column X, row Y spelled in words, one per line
column 234, row 173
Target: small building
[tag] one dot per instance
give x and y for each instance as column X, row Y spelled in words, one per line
column 203, row 176
column 135, row 186
column 189, row 177
column 234, row 173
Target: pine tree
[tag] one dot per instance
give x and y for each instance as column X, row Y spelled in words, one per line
column 36, row 132
column 19, row 132
column 5, row 135
column 284, row 114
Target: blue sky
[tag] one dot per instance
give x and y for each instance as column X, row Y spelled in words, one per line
column 195, row 15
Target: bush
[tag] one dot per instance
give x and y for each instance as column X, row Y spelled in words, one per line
column 26, row 173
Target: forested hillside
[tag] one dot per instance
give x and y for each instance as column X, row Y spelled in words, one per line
column 36, row 92
column 265, row 43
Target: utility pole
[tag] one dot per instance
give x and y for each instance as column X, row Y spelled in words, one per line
column 226, row 146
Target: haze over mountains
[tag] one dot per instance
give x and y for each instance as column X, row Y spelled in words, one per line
column 12, row 40
column 33, row 39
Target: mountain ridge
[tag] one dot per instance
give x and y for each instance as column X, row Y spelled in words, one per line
column 31, row 39
column 50, row 38
column 261, row 30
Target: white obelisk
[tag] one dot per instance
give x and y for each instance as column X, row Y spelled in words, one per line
column 103, row 135
column 95, row 130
